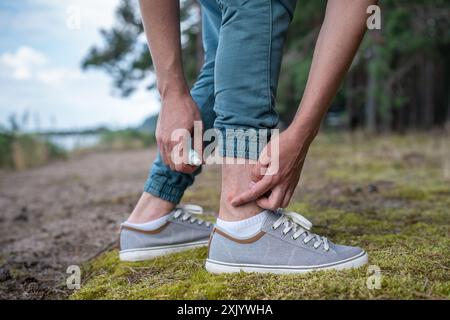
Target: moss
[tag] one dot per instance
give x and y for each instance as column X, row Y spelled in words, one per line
column 406, row 273
column 381, row 194
column 413, row 258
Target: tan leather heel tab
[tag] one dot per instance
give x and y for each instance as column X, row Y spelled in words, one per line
column 256, row 237
column 156, row 231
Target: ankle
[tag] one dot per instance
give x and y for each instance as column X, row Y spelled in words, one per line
column 228, row 212
column 235, row 180
column 150, row 208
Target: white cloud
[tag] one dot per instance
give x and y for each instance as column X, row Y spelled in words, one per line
column 23, row 62
column 30, row 64
column 57, row 76
column 40, row 68
column 98, row 13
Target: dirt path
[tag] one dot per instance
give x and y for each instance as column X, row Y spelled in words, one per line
column 63, row 214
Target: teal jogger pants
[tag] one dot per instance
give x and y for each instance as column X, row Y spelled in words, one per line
column 236, row 88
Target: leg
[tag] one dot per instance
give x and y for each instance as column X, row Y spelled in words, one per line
column 248, row 61
column 164, row 188
column 247, row 65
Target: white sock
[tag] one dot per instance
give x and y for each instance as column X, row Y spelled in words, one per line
column 148, row 226
column 243, row 228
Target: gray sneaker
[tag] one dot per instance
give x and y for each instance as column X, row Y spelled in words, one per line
column 283, row 245
column 182, row 231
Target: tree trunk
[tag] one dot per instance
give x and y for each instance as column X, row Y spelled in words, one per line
column 428, row 94
column 371, row 103
column 350, row 101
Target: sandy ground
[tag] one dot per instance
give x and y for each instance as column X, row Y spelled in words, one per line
column 63, row 214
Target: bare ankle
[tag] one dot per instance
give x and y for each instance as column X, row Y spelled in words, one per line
column 236, row 179
column 150, row 208
column 229, row 213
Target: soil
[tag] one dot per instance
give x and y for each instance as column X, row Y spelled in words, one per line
column 63, row 214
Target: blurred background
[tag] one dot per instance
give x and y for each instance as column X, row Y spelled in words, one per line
column 80, row 75
column 78, row 112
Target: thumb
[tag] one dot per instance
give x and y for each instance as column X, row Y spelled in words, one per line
column 260, row 169
column 257, row 172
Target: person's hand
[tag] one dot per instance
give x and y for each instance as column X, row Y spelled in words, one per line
column 274, row 179
column 178, row 112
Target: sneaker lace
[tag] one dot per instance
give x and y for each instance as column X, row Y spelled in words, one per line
column 297, row 223
column 186, row 212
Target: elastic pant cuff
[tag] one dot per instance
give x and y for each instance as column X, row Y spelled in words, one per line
column 164, row 191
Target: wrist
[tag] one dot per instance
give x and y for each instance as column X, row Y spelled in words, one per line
column 304, row 132
column 173, row 88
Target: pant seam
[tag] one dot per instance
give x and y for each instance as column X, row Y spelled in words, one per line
column 269, row 57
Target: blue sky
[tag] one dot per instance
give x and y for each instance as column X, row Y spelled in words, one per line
column 41, row 45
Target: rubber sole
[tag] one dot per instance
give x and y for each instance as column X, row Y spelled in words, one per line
column 150, row 253
column 224, row 267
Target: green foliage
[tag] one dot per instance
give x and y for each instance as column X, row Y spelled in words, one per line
column 21, row 151
column 125, row 56
column 400, row 70
column 125, row 139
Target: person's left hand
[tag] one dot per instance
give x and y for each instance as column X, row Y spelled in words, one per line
column 274, row 180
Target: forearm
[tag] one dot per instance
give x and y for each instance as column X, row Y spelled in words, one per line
column 161, row 19
column 340, row 36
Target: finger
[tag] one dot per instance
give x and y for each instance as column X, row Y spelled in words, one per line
column 287, row 199
column 264, row 157
column 184, row 168
column 180, row 157
column 163, row 153
column 261, row 166
column 166, row 157
column 257, row 172
column 181, row 150
column 273, row 202
column 255, row 192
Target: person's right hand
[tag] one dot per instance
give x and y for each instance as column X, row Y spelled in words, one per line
column 177, row 112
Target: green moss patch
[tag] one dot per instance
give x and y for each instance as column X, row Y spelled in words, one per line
column 388, row 195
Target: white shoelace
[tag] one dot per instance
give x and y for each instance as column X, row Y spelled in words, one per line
column 300, row 225
column 187, row 212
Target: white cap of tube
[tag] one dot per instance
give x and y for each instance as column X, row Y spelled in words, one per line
column 194, row 158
